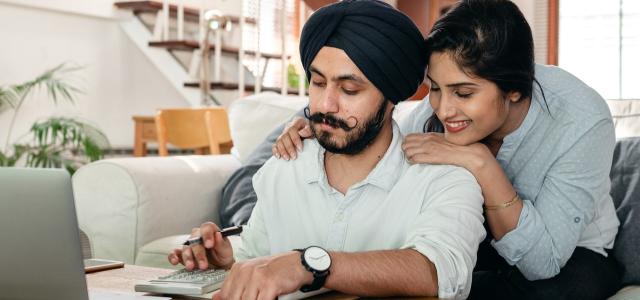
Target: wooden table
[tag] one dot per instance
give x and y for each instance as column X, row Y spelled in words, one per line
column 145, row 131
column 124, row 279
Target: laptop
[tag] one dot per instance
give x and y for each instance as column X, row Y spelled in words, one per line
column 40, row 256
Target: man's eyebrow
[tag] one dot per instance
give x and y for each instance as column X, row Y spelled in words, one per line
column 457, row 84
column 313, row 69
column 351, row 77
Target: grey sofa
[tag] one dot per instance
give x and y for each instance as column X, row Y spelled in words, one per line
column 625, row 191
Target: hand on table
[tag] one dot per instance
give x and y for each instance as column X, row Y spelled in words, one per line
column 265, row 278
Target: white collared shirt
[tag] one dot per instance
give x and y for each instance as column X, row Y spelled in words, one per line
column 436, row 210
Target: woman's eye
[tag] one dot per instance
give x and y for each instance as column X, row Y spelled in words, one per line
column 318, row 83
column 434, row 88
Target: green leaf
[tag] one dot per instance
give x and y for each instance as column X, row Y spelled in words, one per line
column 51, row 80
column 56, row 142
column 8, row 98
column 66, row 142
column 4, row 160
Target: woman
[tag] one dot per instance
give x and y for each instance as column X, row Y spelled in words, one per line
column 539, row 142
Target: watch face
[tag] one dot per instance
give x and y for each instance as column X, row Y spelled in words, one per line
column 317, row 258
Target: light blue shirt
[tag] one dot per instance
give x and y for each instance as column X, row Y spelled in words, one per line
column 436, row 210
column 559, row 161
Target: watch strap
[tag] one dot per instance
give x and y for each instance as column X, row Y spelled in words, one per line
column 318, row 283
column 319, row 278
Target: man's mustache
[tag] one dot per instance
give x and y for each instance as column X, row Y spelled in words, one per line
column 321, row 118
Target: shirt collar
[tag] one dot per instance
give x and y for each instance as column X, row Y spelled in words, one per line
column 513, row 140
column 384, row 175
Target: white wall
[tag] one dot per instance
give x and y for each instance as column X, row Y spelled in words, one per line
column 95, row 8
column 528, row 9
column 118, row 80
column 106, row 9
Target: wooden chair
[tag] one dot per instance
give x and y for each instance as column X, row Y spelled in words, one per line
column 206, row 130
column 217, row 122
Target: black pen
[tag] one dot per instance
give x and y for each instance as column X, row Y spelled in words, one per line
column 225, row 232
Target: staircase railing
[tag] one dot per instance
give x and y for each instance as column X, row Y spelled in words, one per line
column 200, row 64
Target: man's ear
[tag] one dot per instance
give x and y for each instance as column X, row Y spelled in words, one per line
column 390, row 108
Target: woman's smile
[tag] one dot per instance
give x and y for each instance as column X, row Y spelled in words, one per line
column 456, row 126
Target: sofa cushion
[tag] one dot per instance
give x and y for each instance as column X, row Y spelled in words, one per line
column 125, row 203
column 625, row 191
column 626, row 117
column 155, row 254
column 252, row 118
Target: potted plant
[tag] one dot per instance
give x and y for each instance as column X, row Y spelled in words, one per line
column 56, row 142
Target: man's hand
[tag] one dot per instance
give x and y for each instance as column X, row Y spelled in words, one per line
column 215, row 250
column 265, row 278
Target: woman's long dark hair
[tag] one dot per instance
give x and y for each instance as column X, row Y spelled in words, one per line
column 490, row 39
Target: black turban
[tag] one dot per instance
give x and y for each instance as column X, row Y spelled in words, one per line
column 383, row 42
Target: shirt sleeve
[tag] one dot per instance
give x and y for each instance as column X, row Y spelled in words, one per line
column 255, row 240
column 449, row 229
column 549, row 227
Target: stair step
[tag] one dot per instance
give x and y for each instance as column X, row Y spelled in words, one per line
column 190, row 45
column 234, row 86
column 190, row 14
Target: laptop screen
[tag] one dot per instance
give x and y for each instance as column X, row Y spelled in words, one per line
column 40, row 257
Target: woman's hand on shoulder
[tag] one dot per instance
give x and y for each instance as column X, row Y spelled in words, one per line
column 290, row 141
column 433, row 148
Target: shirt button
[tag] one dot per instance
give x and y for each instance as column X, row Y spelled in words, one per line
column 577, row 219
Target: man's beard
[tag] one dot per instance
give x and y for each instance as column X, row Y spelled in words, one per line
column 357, row 137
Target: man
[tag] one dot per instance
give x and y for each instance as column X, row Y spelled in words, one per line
column 362, row 220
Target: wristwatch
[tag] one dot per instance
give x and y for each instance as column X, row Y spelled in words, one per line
column 317, row 261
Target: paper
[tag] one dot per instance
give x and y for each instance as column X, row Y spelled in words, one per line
column 102, row 295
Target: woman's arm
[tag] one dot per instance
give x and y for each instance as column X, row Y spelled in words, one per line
column 550, row 227
column 496, row 189
column 432, row 148
column 537, row 235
